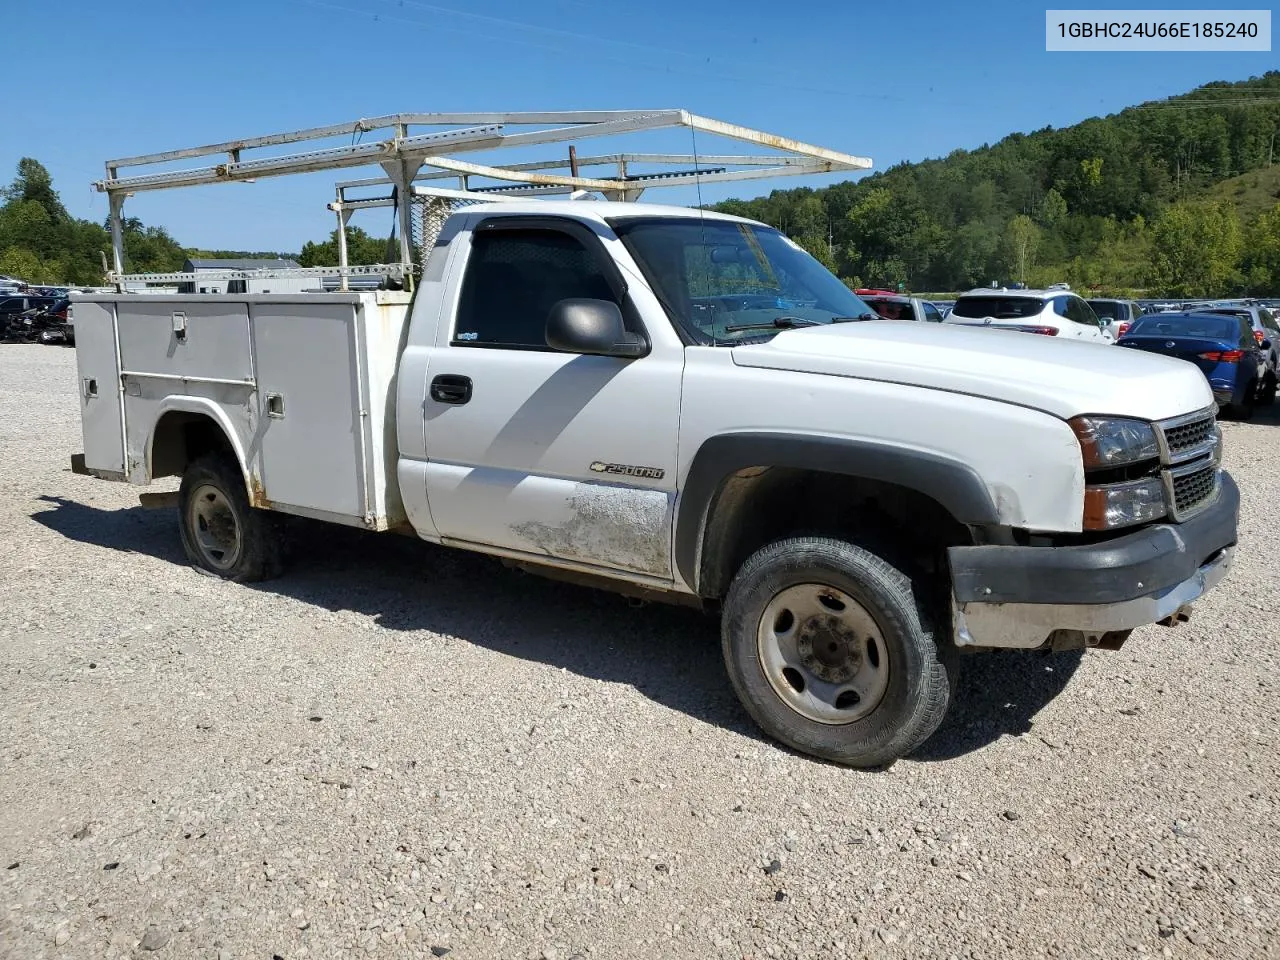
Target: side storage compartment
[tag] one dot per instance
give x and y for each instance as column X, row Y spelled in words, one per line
column 98, row 374
column 310, row 437
column 185, row 356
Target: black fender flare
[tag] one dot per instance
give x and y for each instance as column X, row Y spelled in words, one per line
column 954, row 484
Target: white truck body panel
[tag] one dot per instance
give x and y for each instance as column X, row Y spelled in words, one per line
column 301, row 384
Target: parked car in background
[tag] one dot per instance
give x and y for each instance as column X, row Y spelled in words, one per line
column 1220, row 344
column 48, row 324
column 894, row 306
column 1053, row 312
column 11, row 307
column 1116, row 314
column 1265, row 329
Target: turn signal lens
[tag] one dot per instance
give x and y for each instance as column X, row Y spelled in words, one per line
column 1123, row 504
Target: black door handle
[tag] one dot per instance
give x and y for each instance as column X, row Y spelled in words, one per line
column 451, row 388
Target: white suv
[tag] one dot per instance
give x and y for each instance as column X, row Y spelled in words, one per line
column 1054, row 313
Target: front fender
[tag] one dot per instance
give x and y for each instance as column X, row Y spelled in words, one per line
column 953, row 484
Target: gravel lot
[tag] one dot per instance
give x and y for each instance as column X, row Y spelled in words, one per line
column 400, row 751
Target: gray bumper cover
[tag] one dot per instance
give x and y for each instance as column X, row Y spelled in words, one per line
column 1018, row 596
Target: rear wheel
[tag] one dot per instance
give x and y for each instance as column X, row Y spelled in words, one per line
column 220, row 532
column 831, row 653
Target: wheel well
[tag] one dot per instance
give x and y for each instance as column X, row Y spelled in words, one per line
column 181, row 437
column 758, row 505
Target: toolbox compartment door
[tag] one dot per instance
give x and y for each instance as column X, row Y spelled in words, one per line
column 98, row 382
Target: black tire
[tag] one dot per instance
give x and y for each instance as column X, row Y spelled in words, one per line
column 252, row 548
column 921, row 669
column 1267, row 392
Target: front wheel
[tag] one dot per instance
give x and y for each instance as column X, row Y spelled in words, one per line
column 221, row 533
column 830, row 651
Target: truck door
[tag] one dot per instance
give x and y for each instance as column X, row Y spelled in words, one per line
column 539, row 452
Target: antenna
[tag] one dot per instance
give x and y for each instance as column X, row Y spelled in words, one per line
column 702, row 222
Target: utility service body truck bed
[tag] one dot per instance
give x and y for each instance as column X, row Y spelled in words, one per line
column 687, row 406
column 300, row 386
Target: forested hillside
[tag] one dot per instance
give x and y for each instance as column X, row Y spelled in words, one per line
column 1133, row 200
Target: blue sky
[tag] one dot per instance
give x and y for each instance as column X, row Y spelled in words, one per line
column 893, row 81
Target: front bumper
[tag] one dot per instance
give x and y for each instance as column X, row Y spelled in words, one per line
column 1010, row 596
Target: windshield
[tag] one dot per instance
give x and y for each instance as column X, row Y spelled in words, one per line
column 998, row 308
column 1107, row 309
column 725, row 281
column 1210, row 328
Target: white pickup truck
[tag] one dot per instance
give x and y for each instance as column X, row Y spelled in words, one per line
column 686, row 406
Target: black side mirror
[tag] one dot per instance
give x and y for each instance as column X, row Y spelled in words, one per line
column 1265, row 344
column 593, row 327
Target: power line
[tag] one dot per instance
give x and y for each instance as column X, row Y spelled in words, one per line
column 645, row 63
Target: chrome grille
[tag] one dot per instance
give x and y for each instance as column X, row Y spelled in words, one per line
column 1187, row 437
column 1193, row 490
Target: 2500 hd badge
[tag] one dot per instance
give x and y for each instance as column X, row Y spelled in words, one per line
column 628, row 470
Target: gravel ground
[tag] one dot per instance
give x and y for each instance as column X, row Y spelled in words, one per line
column 399, row 751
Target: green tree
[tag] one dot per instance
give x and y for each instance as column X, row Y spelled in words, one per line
column 33, row 183
column 1022, row 238
column 1196, row 250
column 21, row 262
column 1053, row 209
column 1263, row 258
column 361, row 249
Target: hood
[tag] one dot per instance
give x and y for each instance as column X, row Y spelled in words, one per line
column 1062, row 377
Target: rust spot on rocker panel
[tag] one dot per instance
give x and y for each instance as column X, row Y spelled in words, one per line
column 258, row 493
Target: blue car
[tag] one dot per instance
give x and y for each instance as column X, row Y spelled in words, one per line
column 1222, row 346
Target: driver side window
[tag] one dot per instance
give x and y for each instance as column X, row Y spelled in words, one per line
column 513, row 279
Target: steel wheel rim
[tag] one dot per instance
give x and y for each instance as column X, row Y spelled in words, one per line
column 823, row 654
column 214, row 527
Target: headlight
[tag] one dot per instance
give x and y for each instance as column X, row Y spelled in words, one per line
column 1112, row 442
column 1123, row 504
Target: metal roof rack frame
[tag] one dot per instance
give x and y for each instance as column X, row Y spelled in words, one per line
column 407, row 157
